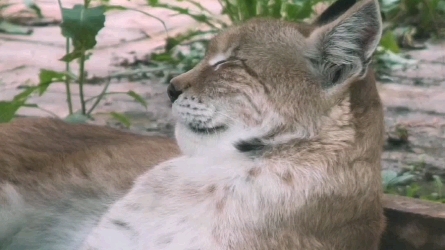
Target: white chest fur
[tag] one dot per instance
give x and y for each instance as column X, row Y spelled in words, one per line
column 174, row 206
column 194, row 203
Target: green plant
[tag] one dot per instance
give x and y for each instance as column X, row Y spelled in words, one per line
column 406, row 21
column 391, row 180
column 437, row 194
column 409, row 183
column 80, row 26
column 427, row 15
column 240, row 10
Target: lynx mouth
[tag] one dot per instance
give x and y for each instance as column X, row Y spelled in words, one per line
column 207, row 130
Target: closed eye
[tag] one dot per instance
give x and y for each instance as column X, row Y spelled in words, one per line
column 219, row 63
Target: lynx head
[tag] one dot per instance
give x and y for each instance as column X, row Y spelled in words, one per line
column 271, row 77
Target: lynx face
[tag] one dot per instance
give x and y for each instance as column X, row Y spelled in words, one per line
column 246, row 86
column 269, row 77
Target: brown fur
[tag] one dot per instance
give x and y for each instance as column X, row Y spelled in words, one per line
column 45, row 158
column 345, row 130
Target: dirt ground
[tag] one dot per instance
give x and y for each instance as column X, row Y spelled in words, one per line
column 414, row 99
column 415, row 103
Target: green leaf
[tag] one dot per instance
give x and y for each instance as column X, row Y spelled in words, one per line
column 164, row 57
column 392, row 179
column 189, row 36
column 392, row 61
column 33, row 6
column 30, row 105
column 199, row 6
column 8, row 110
column 201, row 18
column 23, row 96
column 121, row 118
column 439, row 185
column 82, row 25
column 119, row 7
column 9, row 28
column 390, row 7
column 402, row 179
column 47, row 77
column 305, row 11
column 388, row 176
column 153, row 2
column 413, row 190
column 389, row 42
column 137, row 98
column 441, row 6
column 76, row 118
column 105, row 2
column 71, row 56
column 437, row 181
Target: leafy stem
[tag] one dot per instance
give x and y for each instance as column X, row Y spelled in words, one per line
column 67, row 68
column 86, row 3
column 98, row 98
column 82, row 80
column 67, row 79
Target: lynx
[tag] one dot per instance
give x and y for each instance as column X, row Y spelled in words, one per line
column 281, row 129
column 57, row 179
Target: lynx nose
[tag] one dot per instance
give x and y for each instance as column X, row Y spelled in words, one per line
column 173, row 93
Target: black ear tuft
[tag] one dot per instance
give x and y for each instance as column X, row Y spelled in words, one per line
column 250, row 146
column 334, row 11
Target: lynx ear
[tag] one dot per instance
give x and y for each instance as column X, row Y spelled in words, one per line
column 342, row 46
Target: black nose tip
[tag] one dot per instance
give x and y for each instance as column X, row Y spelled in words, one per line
column 173, row 93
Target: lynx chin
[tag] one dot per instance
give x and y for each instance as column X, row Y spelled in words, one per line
column 281, row 130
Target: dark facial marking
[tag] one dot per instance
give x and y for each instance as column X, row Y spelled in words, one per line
column 204, row 130
column 254, row 75
column 253, row 146
column 252, row 104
